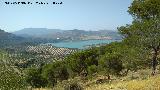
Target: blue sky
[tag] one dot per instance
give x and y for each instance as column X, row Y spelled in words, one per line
column 72, row 14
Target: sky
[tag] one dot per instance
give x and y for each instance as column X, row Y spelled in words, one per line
column 72, row 14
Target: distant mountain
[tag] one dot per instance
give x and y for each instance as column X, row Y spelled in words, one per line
column 35, row 32
column 87, row 35
column 67, row 35
column 12, row 40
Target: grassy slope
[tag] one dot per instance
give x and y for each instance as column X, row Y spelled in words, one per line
column 152, row 83
column 141, row 80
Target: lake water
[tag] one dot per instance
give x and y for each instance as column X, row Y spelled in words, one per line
column 81, row 44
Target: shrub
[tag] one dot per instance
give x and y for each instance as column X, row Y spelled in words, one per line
column 73, row 86
column 9, row 79
column 35, row 79
column 54, row 72
column 111, row 64
column 92, row 69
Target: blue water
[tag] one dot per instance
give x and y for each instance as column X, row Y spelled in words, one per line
column 81, row 44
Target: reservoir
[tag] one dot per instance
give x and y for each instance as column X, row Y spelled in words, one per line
column 81, row 44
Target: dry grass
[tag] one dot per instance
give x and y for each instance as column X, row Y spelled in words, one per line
column 140, row 81
column 152, row 83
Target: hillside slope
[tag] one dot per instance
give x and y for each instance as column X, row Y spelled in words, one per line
column 8, row 39
column 11, row 40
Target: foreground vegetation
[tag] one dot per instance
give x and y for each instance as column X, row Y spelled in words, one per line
column 152, row 83
column 140, row 80
column 126, row 65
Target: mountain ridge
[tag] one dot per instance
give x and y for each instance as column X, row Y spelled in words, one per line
column 74, row 34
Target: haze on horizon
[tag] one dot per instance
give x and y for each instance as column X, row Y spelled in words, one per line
column 72, row 14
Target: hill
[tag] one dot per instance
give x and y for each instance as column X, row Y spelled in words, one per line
column 67, row 34
column 7, row 39
column 12, row 40
column 36, row 32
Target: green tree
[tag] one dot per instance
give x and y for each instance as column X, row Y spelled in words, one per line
column 132, row 58
column 35, row 79
column 92, row 69
column 54, row 72
column 145, row 29
column 111, row 63
column 78, row 62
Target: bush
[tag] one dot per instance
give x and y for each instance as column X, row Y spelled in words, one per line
column 92, row 69
column 9, row 79
column 35, row 79
column 73, row 86
column 111, row 64
column 54, row 72
column 78, row 62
